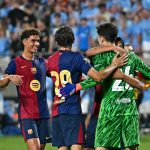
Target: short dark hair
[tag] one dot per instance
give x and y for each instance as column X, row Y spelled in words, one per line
column 119, row 39
column 64, row 36
column 108, row 31
column 27, row 32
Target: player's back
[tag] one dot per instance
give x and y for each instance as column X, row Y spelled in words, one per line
column 66, row 66
column 118, row 95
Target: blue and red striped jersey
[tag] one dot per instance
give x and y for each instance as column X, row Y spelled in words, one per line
column 67, row 66
column 32, row 92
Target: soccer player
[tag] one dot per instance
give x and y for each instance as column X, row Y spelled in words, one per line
column 68, row 128
column 97, row 101
column 33, row 110
column 118, row 117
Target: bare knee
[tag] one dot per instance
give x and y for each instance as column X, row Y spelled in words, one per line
column 33, row 144
column 101, row 148
column 76, row 147
column 132, row 148
column 42, row 146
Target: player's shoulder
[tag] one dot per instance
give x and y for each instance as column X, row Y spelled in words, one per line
column 72, row 55
column 14, row 60
column 76, row 53
column 104, row 55
column 39, row 59
column 132, row 55
column 53, row 56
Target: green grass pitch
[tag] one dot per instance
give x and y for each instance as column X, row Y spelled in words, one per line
column 17, row 143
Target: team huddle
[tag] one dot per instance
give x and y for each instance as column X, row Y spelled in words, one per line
column 114, row 122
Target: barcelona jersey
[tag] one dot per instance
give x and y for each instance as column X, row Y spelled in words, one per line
column 32, row 92
column 66, row 66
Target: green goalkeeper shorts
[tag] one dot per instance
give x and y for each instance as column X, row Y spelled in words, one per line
column 111, row 132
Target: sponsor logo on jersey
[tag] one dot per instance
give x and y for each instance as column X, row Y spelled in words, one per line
column 35, row 85
column 34, row 70
column 123, row 100
column 30, row 131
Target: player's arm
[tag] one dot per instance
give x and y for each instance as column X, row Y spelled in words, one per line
column 130, row 80
column 4, row 82
column 10, row 75
column 117, row 61
column 16, row 79
column 102, row 49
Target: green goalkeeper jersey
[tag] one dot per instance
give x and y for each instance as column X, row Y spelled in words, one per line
column 118, row 96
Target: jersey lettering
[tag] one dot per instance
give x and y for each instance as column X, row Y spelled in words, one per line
column 62, row 77
column 117, row 86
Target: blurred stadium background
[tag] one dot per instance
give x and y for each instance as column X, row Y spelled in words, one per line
column 132, row 18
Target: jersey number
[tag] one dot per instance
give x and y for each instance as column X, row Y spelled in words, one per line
column 117, row 86
column 61, row 78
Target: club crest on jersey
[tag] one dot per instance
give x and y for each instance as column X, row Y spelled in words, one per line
column 35, row 85
column 34, row 70
column 30, row 131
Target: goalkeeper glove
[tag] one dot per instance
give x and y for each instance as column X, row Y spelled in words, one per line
column 70, row 89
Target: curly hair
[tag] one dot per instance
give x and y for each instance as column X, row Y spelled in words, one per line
column 27, row 32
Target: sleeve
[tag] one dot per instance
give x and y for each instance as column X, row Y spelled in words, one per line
column 11, row 68
column 82, row 64
column 142, row 67
column 98, row 65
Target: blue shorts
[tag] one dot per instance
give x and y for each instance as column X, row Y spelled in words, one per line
column 91, row 132
column 36, row 128
column 68, row 130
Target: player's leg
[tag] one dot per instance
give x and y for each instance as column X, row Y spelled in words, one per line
column 57, row 134
column 73, row 128
column 44, row 132
column 101, row 148
column 76, row 147
column 63, row 148
column 33, row 144
column 108, row 133
column 91, row 134
column 88, row 148
column 30, row 133
column 42, row 146
column 131, row 132
column 131, row 148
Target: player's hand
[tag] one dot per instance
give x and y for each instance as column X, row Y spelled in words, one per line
column 120, row 61
column 68, row 90
column 16, row 79
column 146, row 86
column 118, row 74
column 119, row 50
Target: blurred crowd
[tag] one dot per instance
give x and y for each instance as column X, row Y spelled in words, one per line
column 132, row 17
